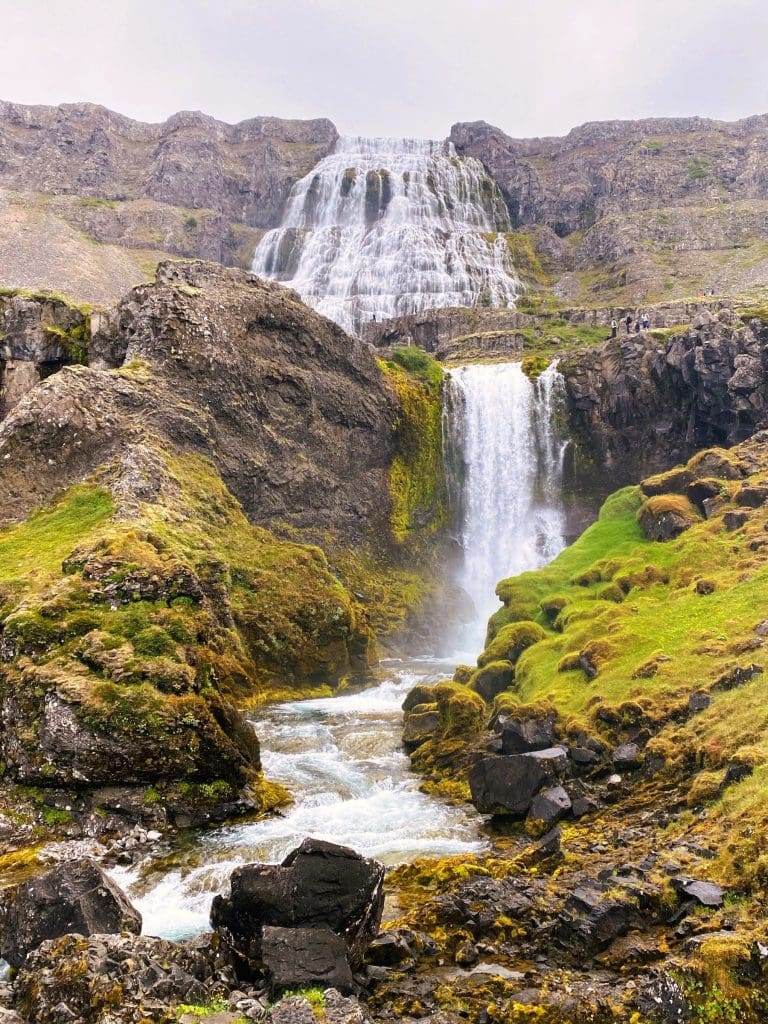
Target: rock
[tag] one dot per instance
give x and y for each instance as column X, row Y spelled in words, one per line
column 708, row 894
column 751, row 496
column 318, row 885
column 735, row 520
column 419, row 726
column 388, row 948
column 139, row 974
column 466, row 955
column 550, row 805
column 583, row 756
column 336, row 1009
column 522, row 737
column 301, row 957
column 666, row 516
column 627, row 757
column 584, row 805
column 699, row 701
column 507, row 784
column 75, row 897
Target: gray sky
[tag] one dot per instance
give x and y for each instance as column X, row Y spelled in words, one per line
column 401, row 67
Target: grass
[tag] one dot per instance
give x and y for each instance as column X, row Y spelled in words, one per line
column 39, row 545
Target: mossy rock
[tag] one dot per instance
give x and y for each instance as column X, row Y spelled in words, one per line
column 674, row 481
column 463, row 673
column 718, row 463
column 463, row 712
column 553, row 605
column 420, row 694
column 510, row 642
column 665, row 516
column 492, row 679
column 611, row 592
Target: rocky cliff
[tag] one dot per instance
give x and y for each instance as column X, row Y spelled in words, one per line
column 192, row 186
column 156, row 464
column 636, row 209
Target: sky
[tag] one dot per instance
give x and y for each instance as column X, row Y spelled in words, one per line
column 402, row 67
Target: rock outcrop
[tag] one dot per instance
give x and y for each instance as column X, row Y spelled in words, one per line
column 308, row 920
column 75, row 897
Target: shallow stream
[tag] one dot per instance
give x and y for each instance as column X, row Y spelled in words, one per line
column 341, row 758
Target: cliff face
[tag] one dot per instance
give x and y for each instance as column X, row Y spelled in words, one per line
column 620, row 167
column 643, row 402
column 82, row 184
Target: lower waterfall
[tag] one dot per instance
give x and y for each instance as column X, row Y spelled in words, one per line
column 505, row 457
column 342, row 756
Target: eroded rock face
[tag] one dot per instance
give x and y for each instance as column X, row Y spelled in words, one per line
column 613, row 167
column 150, row 176
column 646, row 401
column 75, row 897
column 294, row 413
column 318, row 886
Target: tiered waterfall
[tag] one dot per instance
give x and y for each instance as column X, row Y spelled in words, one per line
column 384, row 227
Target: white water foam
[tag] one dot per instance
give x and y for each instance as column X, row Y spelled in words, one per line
column 385, row 227
column 342, row 760
column 508, row 457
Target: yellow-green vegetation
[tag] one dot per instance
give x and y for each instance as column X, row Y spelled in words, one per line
column 211, row 1009
column 552, row 336
column 416, row 477
column 145, row 629
column 628, row 627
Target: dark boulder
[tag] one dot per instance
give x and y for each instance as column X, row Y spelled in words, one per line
column 318, row 885
column 708, row 894
column 76, row 897
column 521, row 737
column 751, row 496
column 300, row 957
column 583, row 757
column 503, row 784
column 420, row 725
column 734, row 520
column 550, row 805
column 627, row 756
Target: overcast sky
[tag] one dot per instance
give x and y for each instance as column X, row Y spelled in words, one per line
column 402, row 67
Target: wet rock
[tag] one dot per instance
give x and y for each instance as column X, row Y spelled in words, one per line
column 627, row 757
column 419, row 726
column 708, row 894
column 598, row 912
column 507, row 784
column 301, row 957
column 550, row 805
column 141, row 975
column 466, row 955
column 584, row 805
column 318, row 885
column 74, row 897
column 522, row 737
column 389, row 948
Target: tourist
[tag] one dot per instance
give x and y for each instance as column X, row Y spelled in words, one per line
column 614, row 328
column 637, row 326
column 646, row 321
column 628, row 322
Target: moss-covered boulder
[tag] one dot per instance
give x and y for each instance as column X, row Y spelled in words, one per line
column 666, row 516
column 510, row 642
column 492, row 679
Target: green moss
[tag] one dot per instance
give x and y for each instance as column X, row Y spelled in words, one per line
column 416, row 478
column 153, row 641
column 534, row 366
column 510, row 642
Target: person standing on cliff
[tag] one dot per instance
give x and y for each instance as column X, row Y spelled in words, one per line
column 614, row 328
column 646, row 321
column 628, row 322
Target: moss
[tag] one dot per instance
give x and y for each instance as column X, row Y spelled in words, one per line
column 462, row 711
column 674, row 481
column 416, row 477
column 511, row 641
column 492, row 679
column 534, row 366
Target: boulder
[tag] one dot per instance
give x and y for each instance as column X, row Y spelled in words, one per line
column 301, row 957
column 550, row 805
column 319, row 885
column 522, row 737
column 627, row 756
column 503, row 784
column 76, row 897
column 665, row 516
column 420, row 725
column 734, row 520
column 708, row 894
column 751, row 496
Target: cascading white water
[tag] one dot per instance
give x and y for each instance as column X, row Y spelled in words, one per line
column 384, row 227
column 507, row 460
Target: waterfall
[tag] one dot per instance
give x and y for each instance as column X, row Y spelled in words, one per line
column 505, row 468
column 385, row 227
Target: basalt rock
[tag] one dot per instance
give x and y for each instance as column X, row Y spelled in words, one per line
column 507, row 784
column 318, row 886
column 75, row 897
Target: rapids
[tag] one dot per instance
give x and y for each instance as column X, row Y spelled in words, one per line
column 341, row 758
